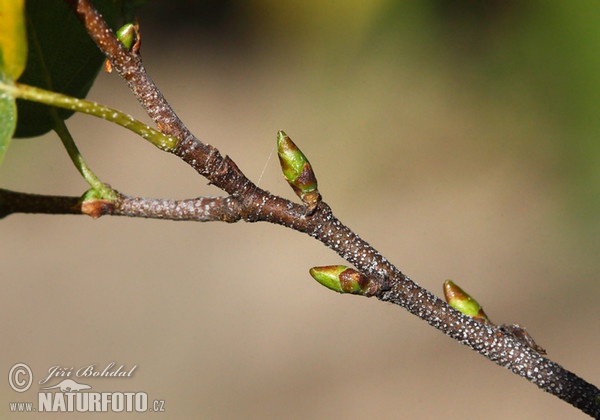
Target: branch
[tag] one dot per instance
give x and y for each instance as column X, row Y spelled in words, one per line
column 250, row 203
column 16, row 202
column 201, row 209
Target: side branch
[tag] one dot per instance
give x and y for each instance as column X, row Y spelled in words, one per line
column 16, row 202
column 201, row 209
column 207, row 160
column 129, row 66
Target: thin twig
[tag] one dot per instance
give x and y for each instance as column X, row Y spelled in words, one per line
column 201, row 209
column 16, row 202
column 253, row 204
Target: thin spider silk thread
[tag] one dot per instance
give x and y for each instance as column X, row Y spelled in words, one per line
column 265, row 167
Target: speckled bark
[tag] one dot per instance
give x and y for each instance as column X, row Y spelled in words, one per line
column 202, row 209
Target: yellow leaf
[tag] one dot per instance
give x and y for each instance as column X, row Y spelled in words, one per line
column 13, row 38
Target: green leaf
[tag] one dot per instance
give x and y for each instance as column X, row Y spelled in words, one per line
column 13, row 50
column 8, row 111
column 61, row 57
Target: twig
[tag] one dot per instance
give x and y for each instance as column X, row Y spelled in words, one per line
column 201, row 209
column 252, row 204
column 17, row 202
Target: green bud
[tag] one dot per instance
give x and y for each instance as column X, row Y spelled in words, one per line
column 297, row 171
column 463, row 302
column 342, row 279
column 128, row 35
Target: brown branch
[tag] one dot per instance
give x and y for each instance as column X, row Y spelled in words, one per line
column 252, row 204
column 16, row 202
column 201, row 209
column 206, row 159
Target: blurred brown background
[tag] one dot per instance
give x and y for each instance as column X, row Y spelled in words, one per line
column 460, row 138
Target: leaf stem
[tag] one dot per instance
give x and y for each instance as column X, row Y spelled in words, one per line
column 65, row 136
column 59, row 100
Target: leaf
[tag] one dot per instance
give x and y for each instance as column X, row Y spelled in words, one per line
column 13, row 46
column 61, row 58
column 8, row 112
column 13, row 50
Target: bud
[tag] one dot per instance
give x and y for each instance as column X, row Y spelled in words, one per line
column 297, row 171
column 129, row 35
column 342, row 279
column 463, row 302
column 94, row 205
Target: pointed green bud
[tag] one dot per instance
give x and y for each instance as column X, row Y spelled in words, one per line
column 128, row 35
column 463, row 302
column 297, row 171
column 342, row 279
